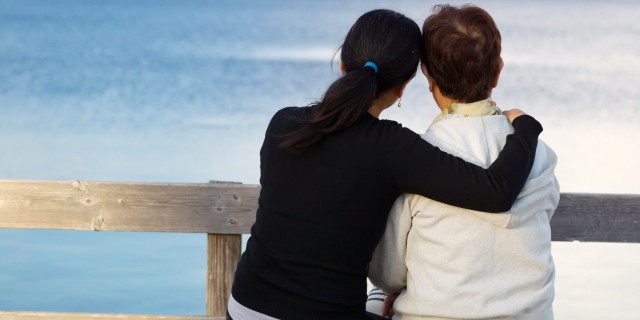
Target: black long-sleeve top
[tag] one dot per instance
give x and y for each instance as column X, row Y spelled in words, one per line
column 321, row 214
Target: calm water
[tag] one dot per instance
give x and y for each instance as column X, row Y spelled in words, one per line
column 181, row 91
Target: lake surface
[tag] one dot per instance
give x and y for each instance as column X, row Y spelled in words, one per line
column 181, row 91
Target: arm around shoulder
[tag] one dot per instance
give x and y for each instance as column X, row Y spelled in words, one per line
column 423, row 169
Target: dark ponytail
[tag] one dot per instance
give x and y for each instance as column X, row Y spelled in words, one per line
column 385, row 38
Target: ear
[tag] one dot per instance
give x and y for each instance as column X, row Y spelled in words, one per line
column 426, row 74
column 342, row 67
column 495, row 81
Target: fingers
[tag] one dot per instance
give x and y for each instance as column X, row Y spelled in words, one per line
column 513, row 114
column 387, row 306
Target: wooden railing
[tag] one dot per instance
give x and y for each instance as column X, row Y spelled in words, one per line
column 225, row 212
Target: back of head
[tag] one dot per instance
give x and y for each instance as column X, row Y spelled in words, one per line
column 462, row 51
column 385, row 39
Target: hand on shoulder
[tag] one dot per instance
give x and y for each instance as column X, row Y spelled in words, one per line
column 512, row 114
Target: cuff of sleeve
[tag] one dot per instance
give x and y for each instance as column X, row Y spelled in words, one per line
column 527, row 123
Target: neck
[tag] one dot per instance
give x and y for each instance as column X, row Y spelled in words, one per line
column 381, row 103
column 376, row 110
column 445, row 102
column 442, row 101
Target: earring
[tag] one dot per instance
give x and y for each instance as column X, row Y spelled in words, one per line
column 399, row 102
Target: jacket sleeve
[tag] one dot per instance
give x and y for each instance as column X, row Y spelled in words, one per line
column 388, row 269
column 421, row 168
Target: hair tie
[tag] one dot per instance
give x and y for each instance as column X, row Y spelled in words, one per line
column 372, row 66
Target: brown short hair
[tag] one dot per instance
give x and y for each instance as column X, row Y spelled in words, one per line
column 462, row 51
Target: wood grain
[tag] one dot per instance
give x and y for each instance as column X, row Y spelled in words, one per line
column 597, row 218
column 217, row 208
column 106, row 206
column 223, row 256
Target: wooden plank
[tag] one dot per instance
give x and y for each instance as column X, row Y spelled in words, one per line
column 597, row 218
column 223, row 254
column 4, row 315
column 107, row 206
column 216, row 208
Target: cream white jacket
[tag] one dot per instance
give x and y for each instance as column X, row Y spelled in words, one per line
column 453, row 263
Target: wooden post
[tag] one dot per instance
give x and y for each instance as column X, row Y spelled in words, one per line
column 223, row 254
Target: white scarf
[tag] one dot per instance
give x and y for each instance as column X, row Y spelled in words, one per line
column 486, row 107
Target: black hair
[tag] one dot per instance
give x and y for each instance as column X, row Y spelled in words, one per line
column 385, row 37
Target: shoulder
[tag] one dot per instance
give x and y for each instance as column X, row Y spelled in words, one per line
column 497, row 123
column 478, row 140
column 397, row 142
column 288, row 118
column 394, row 131
column 470, row 127
column 287, row 113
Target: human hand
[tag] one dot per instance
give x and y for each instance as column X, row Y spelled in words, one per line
column 387, row 306
column 512, row 114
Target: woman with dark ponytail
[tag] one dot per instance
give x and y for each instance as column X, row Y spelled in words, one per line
column 331, row 171
column 372, row 65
